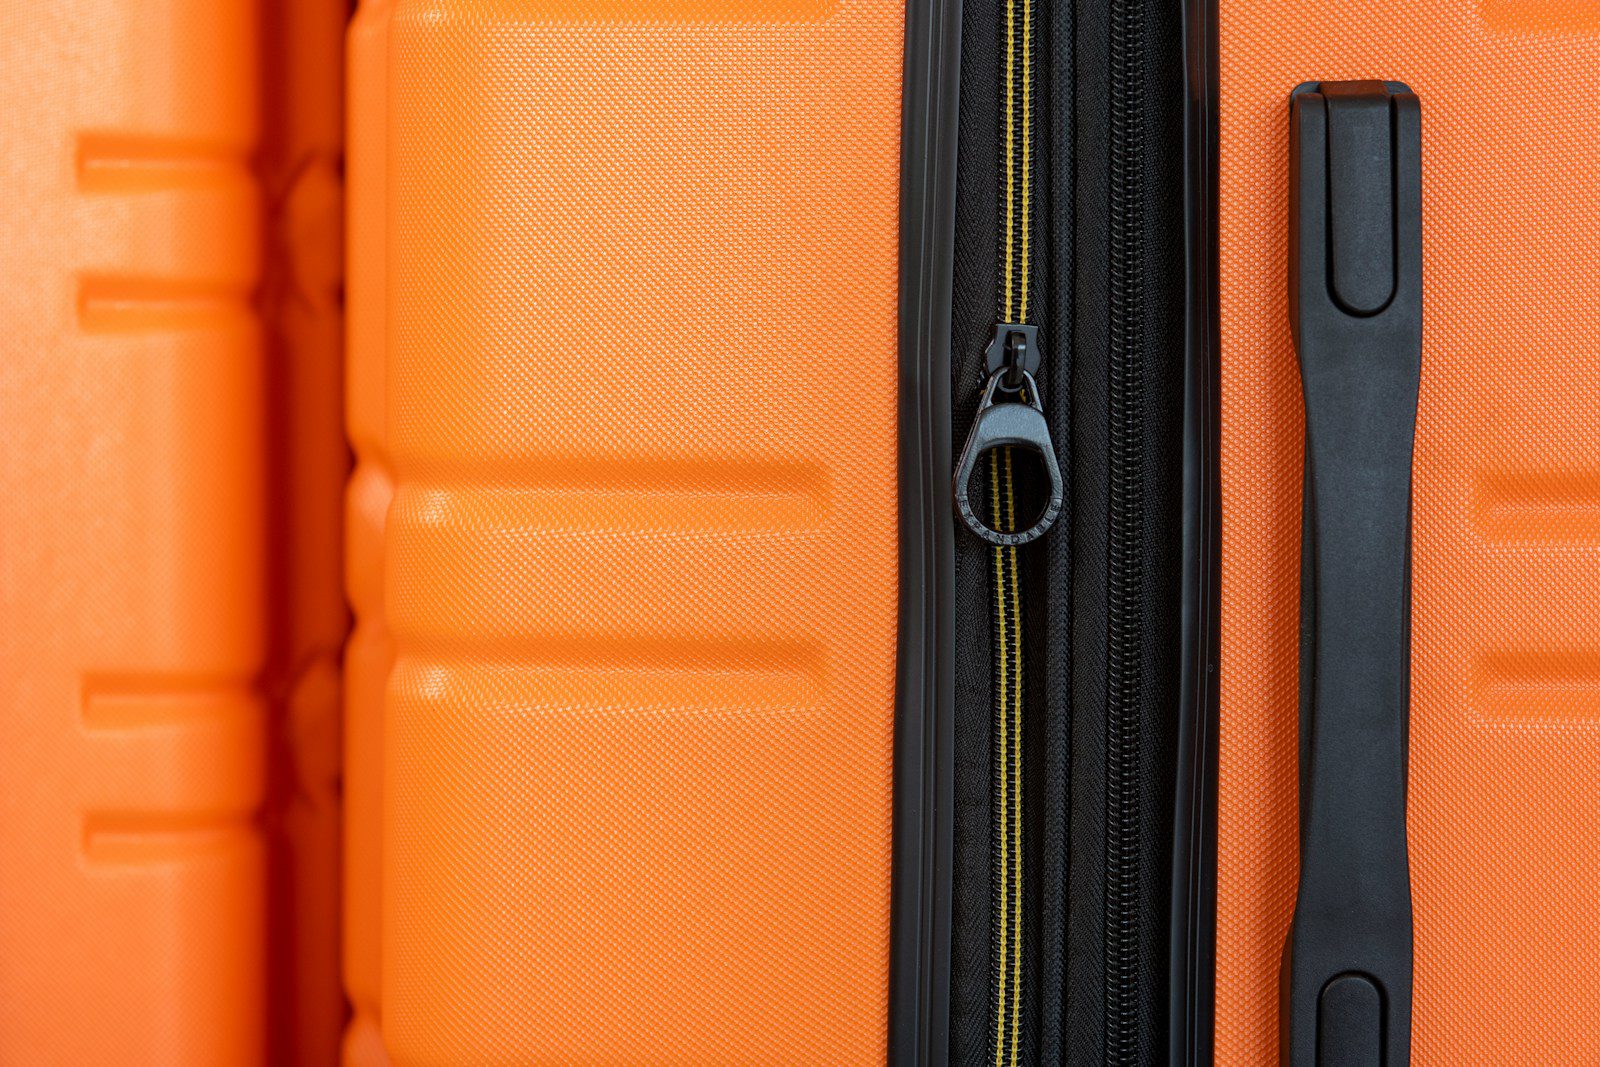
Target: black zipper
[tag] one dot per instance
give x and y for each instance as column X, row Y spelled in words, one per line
column 1009, row 427
column 1062, row 844
column 1124, row 636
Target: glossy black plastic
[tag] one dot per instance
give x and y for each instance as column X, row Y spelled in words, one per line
column 1192, row 993
column 1017, row 421
column 1355, row 300
column 919, row 973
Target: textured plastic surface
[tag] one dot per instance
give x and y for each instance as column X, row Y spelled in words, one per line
column 170, row 463
column 1505, row 729
column 623, row 531
column 132, row 491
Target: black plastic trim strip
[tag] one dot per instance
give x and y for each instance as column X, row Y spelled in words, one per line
column 924, row 759
column 1194, row 861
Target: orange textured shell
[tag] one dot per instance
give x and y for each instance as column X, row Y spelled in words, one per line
column 1505, row 731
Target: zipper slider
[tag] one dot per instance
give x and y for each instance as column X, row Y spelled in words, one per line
column 1010, row 413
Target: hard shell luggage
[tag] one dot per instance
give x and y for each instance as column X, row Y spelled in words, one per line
column 948, row 533
column 689, row 723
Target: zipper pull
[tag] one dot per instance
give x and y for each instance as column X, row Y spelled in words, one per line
column 1010, row 413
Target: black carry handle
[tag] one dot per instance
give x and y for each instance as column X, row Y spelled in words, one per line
column 1355, row 302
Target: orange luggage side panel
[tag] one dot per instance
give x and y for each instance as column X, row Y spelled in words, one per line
column 1505, row 737
column 173, row 472
column 637, row 400
column 132, row 739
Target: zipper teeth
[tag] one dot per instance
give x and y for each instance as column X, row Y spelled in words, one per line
column 1007, row 912
column 1124, row 571
column 1019, row 160
column 1008, row 682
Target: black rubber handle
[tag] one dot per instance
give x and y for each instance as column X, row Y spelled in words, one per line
column 1355, row 296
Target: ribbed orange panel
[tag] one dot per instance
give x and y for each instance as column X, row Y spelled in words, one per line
column 633, row 383
column 1505, row 740
column 132, row 576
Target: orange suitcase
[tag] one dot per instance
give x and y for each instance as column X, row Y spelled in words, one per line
column 943, row 533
